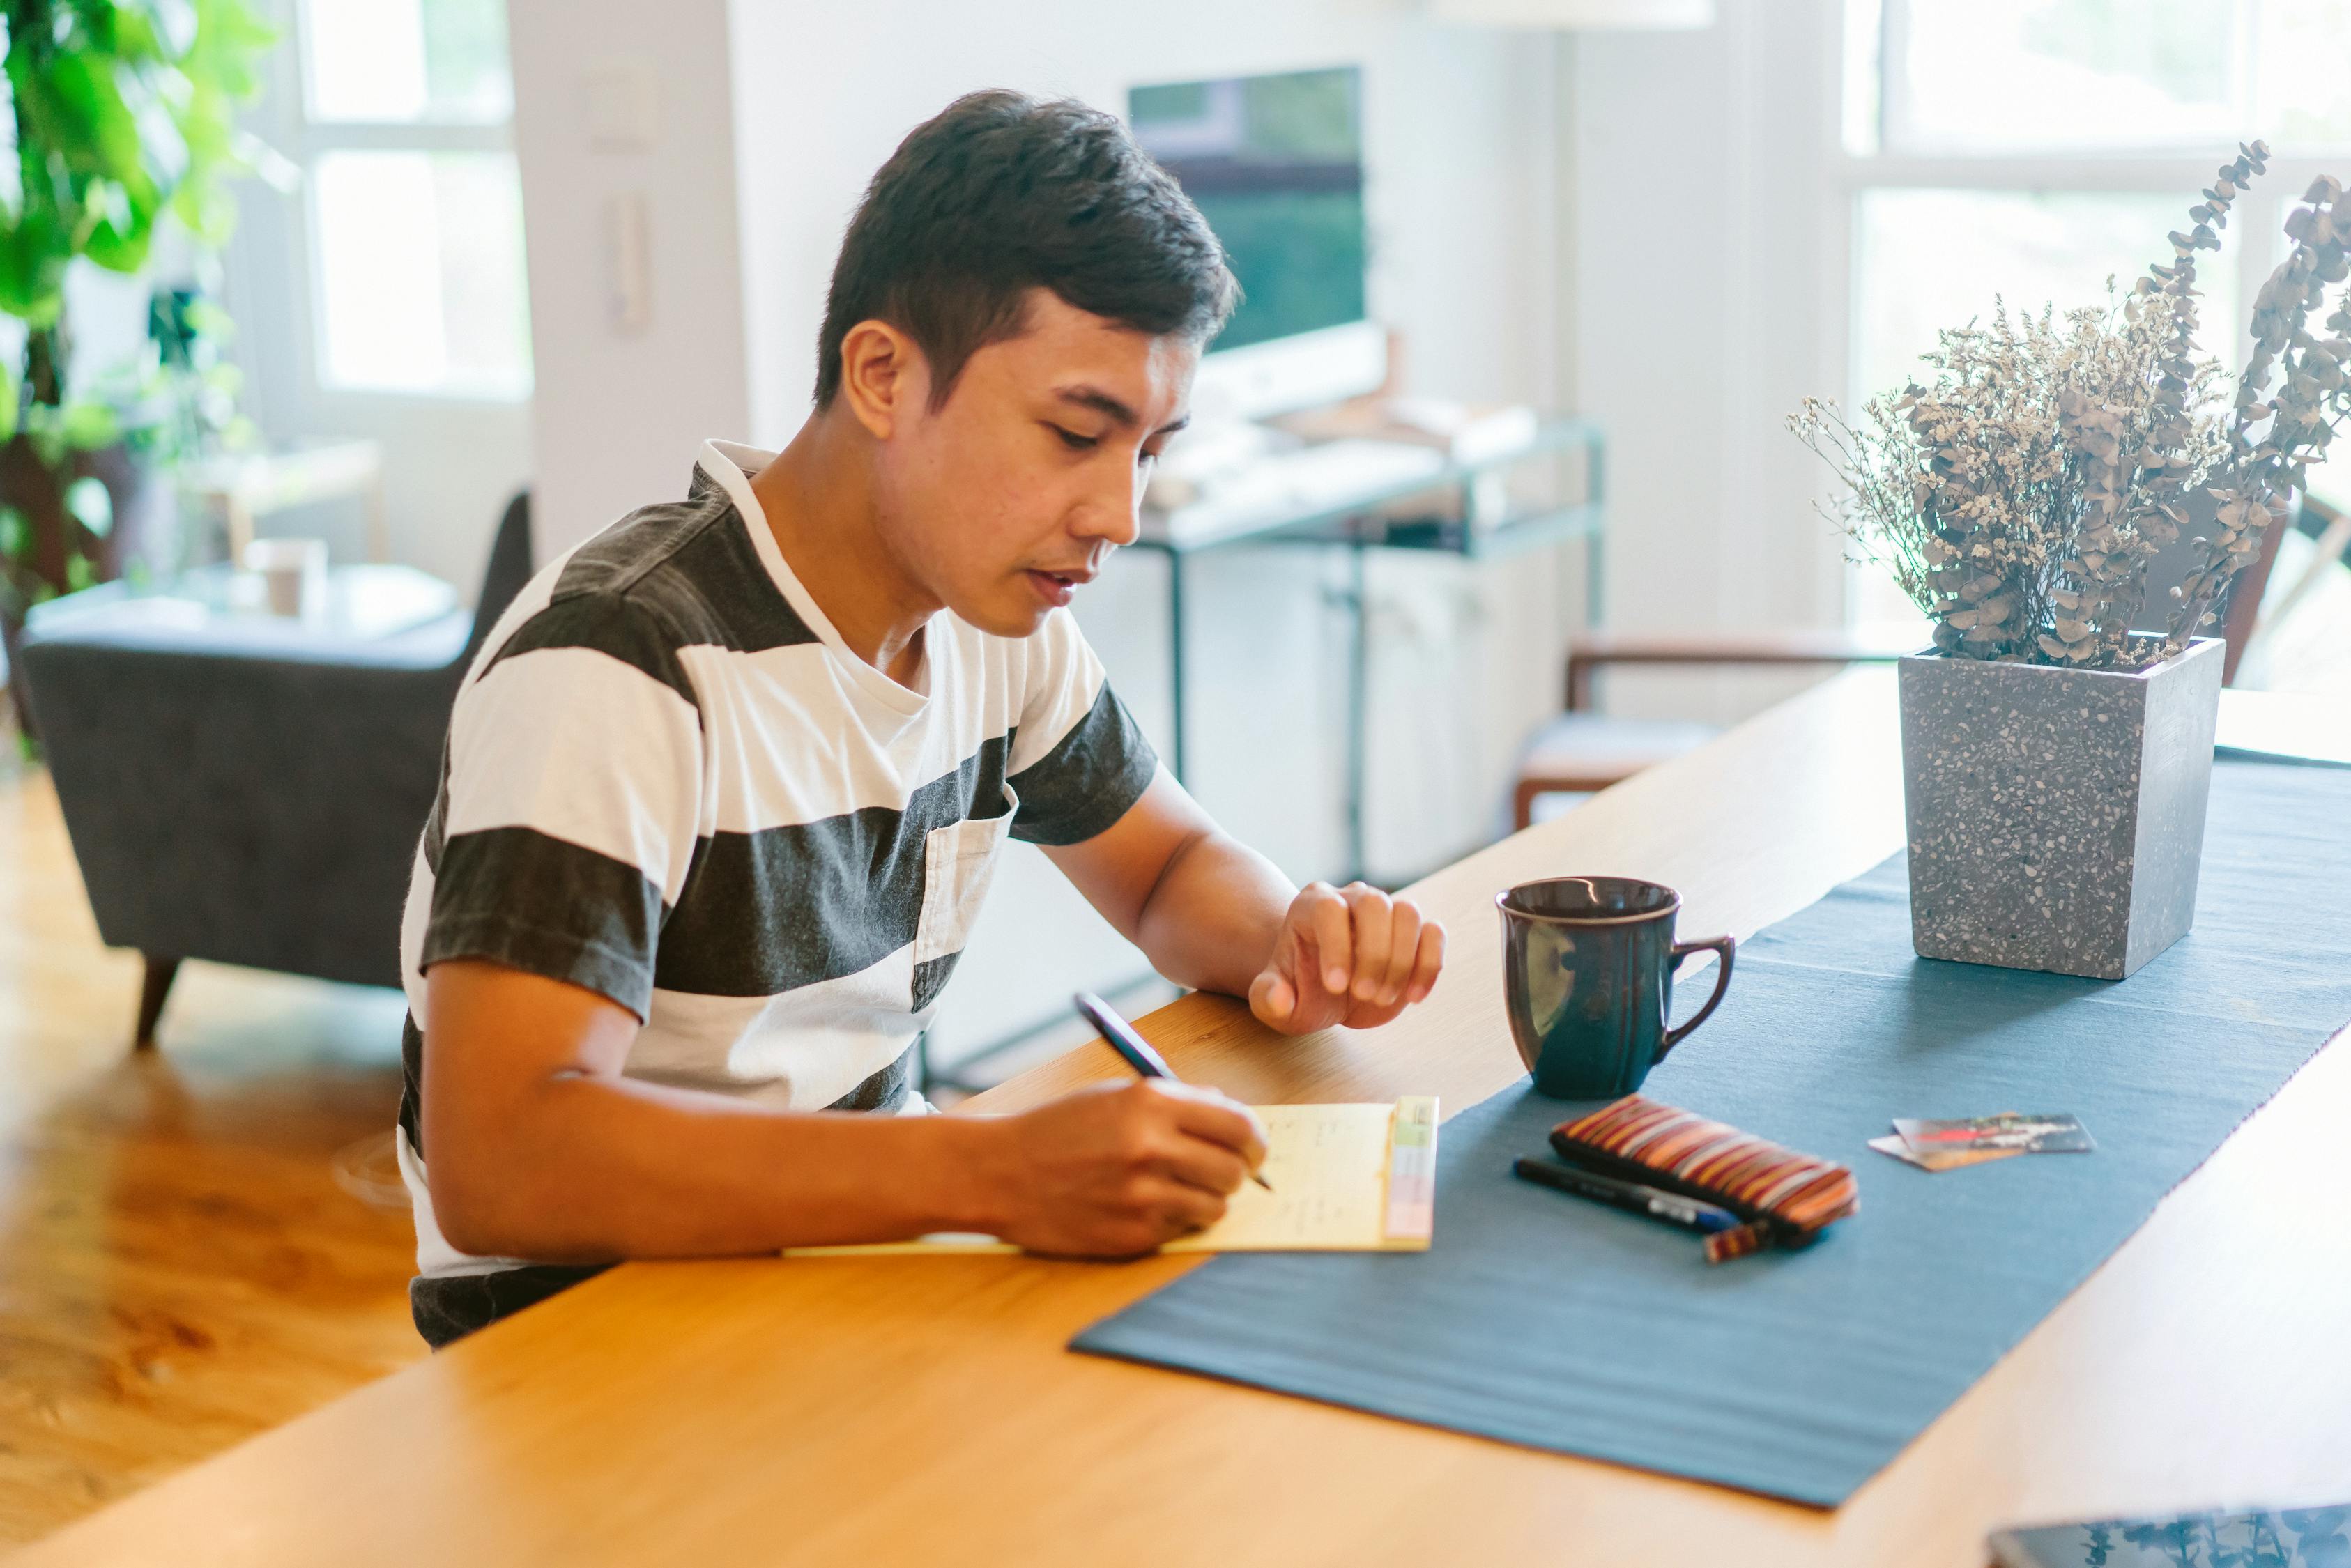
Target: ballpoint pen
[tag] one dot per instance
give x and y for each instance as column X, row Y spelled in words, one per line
column 1132, row 1047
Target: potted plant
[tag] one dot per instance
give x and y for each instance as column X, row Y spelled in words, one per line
column 2057, row 737
column 124, row 117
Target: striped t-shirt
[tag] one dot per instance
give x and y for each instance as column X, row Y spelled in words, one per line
column 668, row 780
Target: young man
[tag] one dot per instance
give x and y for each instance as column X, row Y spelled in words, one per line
column 725, row 787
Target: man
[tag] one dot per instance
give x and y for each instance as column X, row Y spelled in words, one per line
column 724, row 788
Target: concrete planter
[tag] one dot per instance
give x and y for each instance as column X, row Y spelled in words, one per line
column 2056, row 816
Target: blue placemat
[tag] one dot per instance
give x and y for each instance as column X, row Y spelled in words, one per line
column 1559, row 1324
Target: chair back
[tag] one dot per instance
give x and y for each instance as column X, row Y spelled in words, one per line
column 509, row 567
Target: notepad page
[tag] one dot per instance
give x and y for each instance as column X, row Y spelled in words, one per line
column 1328, row 1168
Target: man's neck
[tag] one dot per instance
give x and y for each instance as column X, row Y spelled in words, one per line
column 818, row 496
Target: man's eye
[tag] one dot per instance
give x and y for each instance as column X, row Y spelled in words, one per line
column 1076, row 443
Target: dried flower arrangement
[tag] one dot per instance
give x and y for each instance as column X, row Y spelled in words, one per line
column 2020, row 499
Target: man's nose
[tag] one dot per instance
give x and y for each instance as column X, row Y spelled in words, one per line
column 1111, row 511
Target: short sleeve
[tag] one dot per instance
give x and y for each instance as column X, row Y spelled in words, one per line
column 1079, row 759
column 572, row 801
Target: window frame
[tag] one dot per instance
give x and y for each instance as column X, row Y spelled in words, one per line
column 304, row 141
column 1861, row 40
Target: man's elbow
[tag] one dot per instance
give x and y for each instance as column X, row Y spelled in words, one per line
column 485, row 1202
column 468, row 1210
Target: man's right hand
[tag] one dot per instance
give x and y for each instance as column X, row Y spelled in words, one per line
column 1116, row 1169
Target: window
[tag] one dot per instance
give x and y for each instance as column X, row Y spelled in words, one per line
column 414, row 208
column 2030, row 150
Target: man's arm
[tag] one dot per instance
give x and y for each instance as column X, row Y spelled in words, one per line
column 1213, row 914
column 537, row 1147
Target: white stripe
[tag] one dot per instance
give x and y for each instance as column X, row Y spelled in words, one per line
column 802, row 1050
column 1062, row 678
column 779, row 754
column 579, row 746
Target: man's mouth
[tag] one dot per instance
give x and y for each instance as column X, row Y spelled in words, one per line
column 1056, row 588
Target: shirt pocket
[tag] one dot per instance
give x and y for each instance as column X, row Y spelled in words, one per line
column 957, row 861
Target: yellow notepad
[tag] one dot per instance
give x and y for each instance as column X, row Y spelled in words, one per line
column 1346, row 1178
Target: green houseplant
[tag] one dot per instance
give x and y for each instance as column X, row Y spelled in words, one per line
column 124, row 117
column 2067, row 500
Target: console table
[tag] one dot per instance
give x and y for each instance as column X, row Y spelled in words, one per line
column 1353, row 521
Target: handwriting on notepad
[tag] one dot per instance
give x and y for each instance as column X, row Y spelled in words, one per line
column 1327, row 1166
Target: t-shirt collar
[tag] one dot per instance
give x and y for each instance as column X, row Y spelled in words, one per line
column 731, row 465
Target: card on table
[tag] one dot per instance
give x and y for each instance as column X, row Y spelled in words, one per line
column 1937, row 1159
column 2011, row 1131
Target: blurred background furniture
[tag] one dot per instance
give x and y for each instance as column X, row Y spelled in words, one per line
column 1366, row 495
column 1584, row 751
column 249, row 789
column 240, row 488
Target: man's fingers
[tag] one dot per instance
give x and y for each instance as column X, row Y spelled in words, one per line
column 1202, row 1112
column 1334, row 947
column 1184, row 1208
column 1370, row 909
column 1272, row 997
column 1211, row 1167
column 1404, row 949
column 1429, row 961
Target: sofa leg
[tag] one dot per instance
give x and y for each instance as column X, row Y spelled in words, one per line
column 152, row 989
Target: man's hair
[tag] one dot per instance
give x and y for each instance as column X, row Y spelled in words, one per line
column 1001, row 193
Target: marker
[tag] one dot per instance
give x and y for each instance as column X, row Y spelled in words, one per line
column 1132, row 1047
column 1657, row 1204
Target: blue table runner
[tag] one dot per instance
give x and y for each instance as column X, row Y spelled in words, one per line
column 1559, row 1324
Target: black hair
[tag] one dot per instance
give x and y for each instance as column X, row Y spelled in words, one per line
column 1001, row 192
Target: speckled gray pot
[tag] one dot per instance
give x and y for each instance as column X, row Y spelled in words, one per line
column 2056, row 817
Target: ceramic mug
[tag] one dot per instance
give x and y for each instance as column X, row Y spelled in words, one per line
column 1588, row 976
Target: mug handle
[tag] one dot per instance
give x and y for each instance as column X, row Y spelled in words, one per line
column 1722, row 944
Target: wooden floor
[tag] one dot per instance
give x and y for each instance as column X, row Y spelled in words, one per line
column 179, row 1266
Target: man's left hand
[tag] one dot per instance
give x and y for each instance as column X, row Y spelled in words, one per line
column 1350, row 955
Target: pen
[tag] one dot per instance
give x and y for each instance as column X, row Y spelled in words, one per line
column 1670, row 1206
column 1132, row 1047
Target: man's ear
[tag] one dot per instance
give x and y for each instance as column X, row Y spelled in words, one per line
column 883, row 377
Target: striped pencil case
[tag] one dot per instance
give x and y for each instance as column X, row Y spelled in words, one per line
column 1785, row 1198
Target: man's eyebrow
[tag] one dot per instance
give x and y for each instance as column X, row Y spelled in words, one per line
column 1102, row 403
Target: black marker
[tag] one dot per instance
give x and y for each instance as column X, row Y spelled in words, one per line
column 1657, row 1204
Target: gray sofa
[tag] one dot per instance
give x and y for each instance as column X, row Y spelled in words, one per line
column 233, row 798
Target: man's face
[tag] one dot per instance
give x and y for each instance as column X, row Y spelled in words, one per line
column 1003, row 501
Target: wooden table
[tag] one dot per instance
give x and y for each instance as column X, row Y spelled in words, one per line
column 924, row 1410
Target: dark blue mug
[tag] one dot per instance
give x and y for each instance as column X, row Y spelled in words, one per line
column 1588, row 979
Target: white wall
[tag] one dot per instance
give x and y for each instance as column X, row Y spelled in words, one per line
column 1711, row 299
column 620, row 413
column 1459, row 158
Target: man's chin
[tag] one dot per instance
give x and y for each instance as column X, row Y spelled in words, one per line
column 1006, row 615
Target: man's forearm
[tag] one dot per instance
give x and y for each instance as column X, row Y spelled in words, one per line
column 1211, row 919
column 595, row 1166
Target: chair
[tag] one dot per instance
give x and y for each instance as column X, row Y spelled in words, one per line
column 247, row 800
column 1583, row 752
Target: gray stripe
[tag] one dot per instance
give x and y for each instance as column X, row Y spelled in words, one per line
column 521, row 898
column 1090, row 778
column 763, row 912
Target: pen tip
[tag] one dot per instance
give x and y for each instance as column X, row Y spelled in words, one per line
column 1259, row 1178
